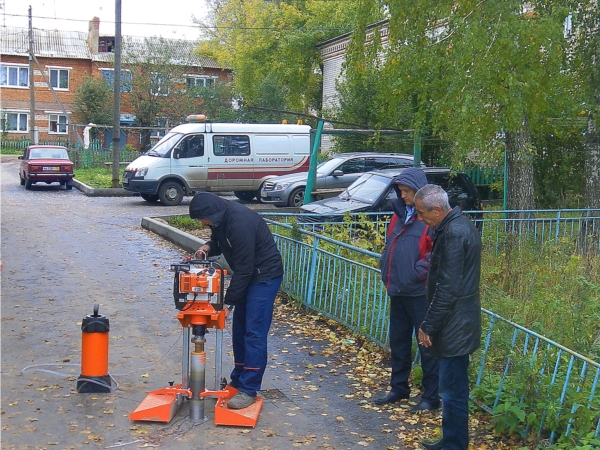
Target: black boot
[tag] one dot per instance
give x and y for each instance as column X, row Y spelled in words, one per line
column 391, row 397
column 436, row 445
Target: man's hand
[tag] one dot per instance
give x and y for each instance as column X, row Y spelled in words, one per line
column 204, row 249
column 424, row 339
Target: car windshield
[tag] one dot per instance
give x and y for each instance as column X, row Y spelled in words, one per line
column 48, row 153
column 327, row 166
column 366, row 189
column 165, row 144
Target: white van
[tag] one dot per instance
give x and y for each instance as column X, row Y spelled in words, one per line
column 206, row 156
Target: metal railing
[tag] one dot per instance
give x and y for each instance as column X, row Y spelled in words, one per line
column 96, row 156
column 579, row 226
column 519, row 370
column 536, row 381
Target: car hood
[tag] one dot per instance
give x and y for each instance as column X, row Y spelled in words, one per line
column 335, row 205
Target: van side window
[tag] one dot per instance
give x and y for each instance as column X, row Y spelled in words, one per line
column 231, row 145
column 191, row 147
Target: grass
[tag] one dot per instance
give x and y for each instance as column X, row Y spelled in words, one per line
column 96, row 177
column 11, row 151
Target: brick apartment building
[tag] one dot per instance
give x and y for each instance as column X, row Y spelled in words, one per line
column 65, row 59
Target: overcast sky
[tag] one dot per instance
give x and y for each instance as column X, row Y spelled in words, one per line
column 170, row 18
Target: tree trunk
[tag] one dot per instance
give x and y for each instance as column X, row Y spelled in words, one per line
column 590, row 225
column 519, row 166
column 145, row 144
column 592, row 166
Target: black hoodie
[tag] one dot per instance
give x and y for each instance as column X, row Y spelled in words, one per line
column 244, row 239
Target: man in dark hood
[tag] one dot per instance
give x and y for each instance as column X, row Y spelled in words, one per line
column 404, row 267
column 246, row 242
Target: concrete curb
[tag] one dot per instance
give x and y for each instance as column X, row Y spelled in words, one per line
column 101, row 192
column 183, row 240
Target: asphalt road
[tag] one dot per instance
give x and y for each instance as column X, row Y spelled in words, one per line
column 63, row 252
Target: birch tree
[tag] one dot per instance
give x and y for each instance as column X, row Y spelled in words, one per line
column 483, row 75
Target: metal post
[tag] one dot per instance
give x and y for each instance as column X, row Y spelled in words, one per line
column 32, row 130
column 505, row 190
column 312, row 168
column 117, row 98
column 185, row 359
column 417, row 150
column 218, row 359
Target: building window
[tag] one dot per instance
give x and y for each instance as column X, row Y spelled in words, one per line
column 109, row 76
column 14, row 122
column 59, row 78
column 58, row 124
column 158, row 86
column 196, row 81
column 14, row 76
column 106, row 44
column 161, row 122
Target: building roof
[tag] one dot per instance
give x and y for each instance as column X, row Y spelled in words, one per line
column 73, row 44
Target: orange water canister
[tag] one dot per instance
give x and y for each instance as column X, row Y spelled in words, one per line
column 94, row 354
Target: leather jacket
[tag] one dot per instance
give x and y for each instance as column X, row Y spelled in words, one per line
column 453, row 320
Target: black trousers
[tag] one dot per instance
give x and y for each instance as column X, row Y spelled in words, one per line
column 406, row 316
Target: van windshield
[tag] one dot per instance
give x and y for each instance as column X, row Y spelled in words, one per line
column 163, row 146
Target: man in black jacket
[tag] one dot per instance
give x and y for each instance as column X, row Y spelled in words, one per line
column 246, row 242
column 452, row 326
column 404, row 269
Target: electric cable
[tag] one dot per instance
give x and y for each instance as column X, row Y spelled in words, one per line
column 112, row 387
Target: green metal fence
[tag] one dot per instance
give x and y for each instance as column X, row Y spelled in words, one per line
column 579, row 226
column 552, row 391
column 94, row 156
column 483, row 176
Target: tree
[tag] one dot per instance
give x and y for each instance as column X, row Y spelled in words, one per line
column 481, row 75
column 93, row 102
column 274, row 44
column 159, row 91
column 584, row 28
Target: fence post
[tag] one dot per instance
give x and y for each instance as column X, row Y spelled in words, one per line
column 557, row 228
column 313, row 268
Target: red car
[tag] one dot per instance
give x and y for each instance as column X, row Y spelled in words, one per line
column 46, row 164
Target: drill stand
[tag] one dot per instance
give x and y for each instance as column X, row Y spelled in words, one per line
column 198, row 292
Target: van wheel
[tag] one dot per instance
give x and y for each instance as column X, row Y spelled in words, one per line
column 170, row 193
column 152, row 198
column 245, row 195
column 296, row 198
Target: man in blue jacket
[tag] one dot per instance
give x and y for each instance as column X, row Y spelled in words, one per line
column 452, row 325
column 404, row 268
column 246, row 242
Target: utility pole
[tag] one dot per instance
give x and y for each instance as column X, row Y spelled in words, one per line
column 33, row 138
column 117, row 96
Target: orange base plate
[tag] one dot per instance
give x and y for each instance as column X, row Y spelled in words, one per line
column 156, row 408
column 246, row 417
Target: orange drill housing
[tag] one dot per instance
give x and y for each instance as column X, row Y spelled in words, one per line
column 198, row 291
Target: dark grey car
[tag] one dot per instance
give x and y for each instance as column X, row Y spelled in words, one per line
column 335, row 174
column 374, row 191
